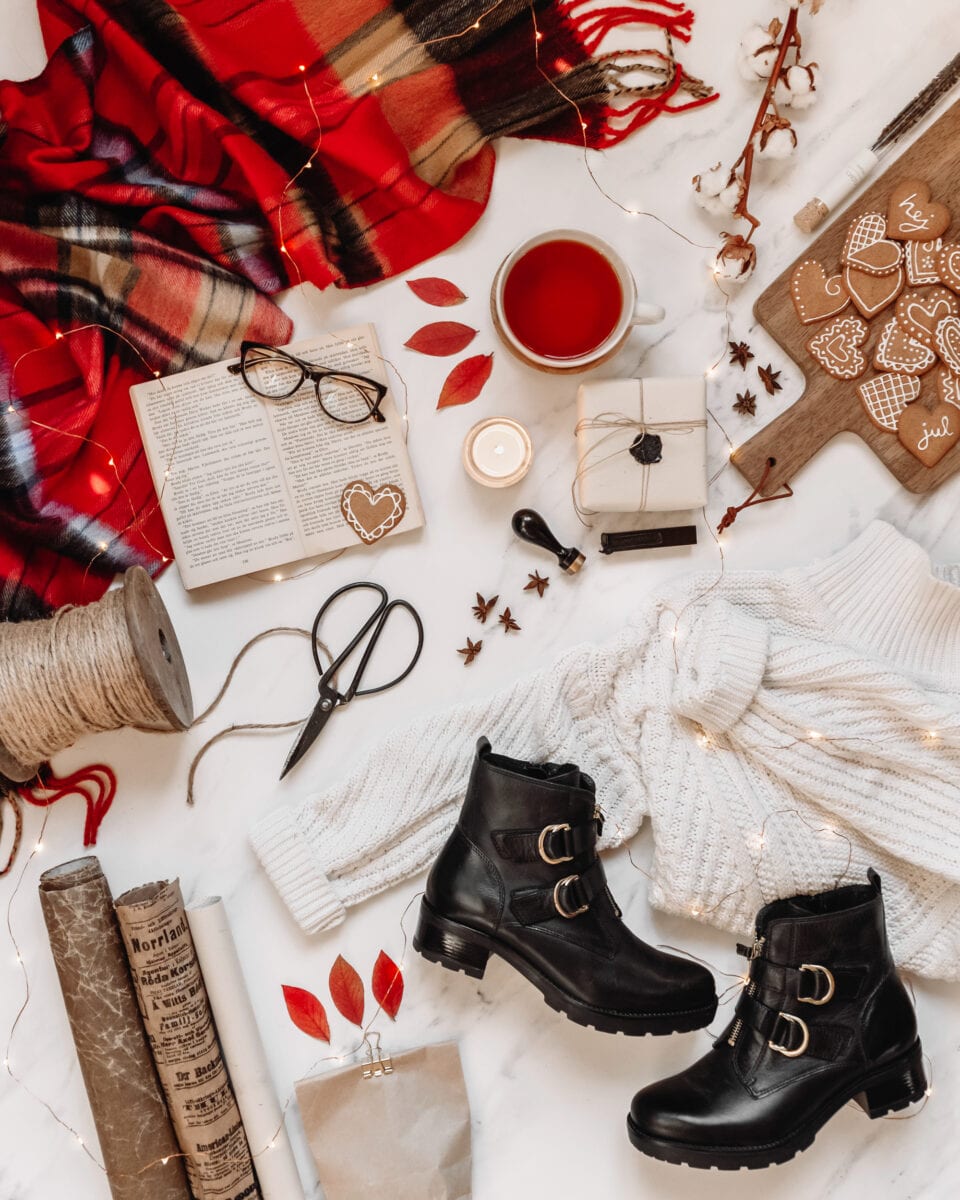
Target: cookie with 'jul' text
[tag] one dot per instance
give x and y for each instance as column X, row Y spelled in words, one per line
column 928, row 435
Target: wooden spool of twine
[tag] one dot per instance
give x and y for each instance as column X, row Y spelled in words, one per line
column 100, row 666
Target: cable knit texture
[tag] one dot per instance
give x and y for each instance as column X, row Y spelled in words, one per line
column 782, row 733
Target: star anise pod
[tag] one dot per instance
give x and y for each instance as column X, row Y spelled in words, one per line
column 745, row 404
column 507, row 621
column 740, row 354
column 470, row 651
column 538, row 583
column 481, row 610
column 770, row 379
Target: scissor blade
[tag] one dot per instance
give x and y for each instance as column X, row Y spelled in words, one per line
column 310, row 731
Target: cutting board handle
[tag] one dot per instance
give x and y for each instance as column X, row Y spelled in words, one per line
column 791, row 440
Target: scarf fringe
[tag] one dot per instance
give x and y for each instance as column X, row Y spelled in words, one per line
column 596, row 102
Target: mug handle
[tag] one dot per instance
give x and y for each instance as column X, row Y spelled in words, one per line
column 647, row 314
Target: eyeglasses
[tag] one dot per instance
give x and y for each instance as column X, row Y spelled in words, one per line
column 276, row 375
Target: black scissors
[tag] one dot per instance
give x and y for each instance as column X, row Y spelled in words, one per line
column 330, row 698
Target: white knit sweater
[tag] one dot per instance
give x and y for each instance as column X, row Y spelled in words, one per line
column 800, row 728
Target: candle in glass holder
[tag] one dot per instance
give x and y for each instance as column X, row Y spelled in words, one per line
column 497, row 452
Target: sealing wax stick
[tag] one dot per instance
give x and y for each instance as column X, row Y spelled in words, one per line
column 139, row 1149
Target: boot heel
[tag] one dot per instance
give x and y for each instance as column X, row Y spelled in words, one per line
column 452, row 946
column 903, row 1083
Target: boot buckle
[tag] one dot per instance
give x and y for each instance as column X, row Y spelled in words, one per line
column 805, row 1039
column 542, row 846
column 557, row 892
column 831, row 985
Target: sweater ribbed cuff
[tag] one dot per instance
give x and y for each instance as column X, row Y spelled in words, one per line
column 285, row 855
column 721, row 664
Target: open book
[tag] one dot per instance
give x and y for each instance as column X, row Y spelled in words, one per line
column 247, row 484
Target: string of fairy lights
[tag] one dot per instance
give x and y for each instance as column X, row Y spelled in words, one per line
column 705, row 740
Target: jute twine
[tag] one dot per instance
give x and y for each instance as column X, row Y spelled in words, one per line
column 73, row 674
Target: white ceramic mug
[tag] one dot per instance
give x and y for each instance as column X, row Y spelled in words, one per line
column 632, row 311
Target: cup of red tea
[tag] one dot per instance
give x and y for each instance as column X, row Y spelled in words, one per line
column 565, row 301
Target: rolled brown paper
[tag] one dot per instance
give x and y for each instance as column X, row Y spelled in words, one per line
column 183, row 1038
column 132, row 1121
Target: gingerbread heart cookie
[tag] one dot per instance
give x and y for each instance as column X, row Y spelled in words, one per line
column 948, row 387
column 947, row 341
column 884, row 397
column 928, row 435
column 867, row 247
column 897, row 351
column 815, row 296
column 372, row 513
column 920, row 259
column 837, row 347
column 920, row 312
column 912, row 215
column 948, row 265
column 871, row 294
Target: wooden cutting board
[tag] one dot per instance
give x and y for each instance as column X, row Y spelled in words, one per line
column 829, row 406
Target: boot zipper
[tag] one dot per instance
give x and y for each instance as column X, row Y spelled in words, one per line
column 755, row 951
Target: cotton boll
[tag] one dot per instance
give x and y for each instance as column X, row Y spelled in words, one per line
column 775, row 143
column 797, row 86
column 718, row 190
column 735, row 260
column 757, row 54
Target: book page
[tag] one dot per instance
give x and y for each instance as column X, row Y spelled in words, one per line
column 319, row 461
column 249, row 484
column 215, row 466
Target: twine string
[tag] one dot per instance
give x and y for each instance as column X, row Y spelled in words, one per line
column 73, row 674
column 612, row 425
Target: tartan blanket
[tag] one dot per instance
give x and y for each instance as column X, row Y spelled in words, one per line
column 178, row 162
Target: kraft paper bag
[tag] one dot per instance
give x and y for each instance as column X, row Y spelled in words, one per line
column 405, row 1135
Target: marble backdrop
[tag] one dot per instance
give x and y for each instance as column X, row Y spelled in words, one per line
column 548, row 1098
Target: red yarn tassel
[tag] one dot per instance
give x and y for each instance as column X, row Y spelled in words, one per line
column 97, row 784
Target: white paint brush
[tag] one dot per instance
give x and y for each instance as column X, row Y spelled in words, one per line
column 863, row 164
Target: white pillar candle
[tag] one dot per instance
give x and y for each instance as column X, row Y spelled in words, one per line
column 497, row 452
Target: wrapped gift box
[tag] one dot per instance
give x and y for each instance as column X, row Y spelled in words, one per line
column 622, row 465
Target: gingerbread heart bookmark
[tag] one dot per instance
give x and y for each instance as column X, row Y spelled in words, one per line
column 372, row 512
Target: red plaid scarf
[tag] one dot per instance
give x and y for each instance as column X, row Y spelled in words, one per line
column 145, row 186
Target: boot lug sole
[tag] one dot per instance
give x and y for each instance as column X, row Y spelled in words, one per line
column 726, row 1159
column 467, row 950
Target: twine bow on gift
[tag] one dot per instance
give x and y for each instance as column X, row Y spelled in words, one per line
column 614, row 423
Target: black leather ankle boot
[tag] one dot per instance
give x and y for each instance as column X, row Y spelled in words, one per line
column 823, row 1019
column 520, row 877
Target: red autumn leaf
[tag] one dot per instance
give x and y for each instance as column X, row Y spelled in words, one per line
column 465, row 382
column 387, row 985
column 440, row 338
column 439, row 292
column 346, row 990
column 307, row 1013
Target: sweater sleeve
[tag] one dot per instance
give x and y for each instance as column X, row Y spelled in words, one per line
column 388, row 819
column 858, row 744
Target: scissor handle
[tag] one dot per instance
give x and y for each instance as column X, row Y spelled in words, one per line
column 375, row 622
column 327, row 673
column 375, row 637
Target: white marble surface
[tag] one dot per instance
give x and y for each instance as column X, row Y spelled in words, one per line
column 548, row 1097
